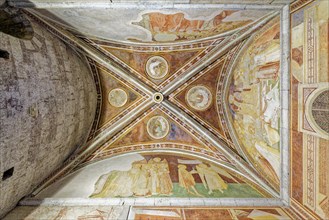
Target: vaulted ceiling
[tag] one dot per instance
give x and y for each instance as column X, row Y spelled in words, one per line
column 191, row 85
column 186, row 80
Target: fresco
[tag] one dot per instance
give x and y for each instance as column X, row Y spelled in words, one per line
column 152, row 175
column 202, row 104
column 309, row 108
column 156, row 127
column 201, row 213
column 178, row 26
column 143, row 213
column 254, row 101
column 136, row 25
column 117, row 96
column 199, row 97
column 157, row 67
column 164, row 64
column 68, row 213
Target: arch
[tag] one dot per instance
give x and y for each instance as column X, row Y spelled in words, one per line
column 323, row 87
column 119, row 162
column 269, row 166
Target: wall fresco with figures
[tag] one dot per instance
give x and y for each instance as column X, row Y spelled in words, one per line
column 216, row 124
column 152, row 175
column 254, row 100
column 160, row 128
column 309, row 107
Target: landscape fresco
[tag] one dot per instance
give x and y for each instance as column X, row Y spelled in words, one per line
column 149, row 175
column 254, row 101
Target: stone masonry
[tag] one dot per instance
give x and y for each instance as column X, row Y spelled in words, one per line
column 47, row 106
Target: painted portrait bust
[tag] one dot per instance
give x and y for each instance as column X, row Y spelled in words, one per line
column 157, row 67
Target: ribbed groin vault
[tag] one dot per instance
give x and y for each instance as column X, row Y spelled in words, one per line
column 164, row 109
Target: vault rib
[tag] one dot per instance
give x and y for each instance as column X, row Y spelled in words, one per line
column 101, row 58
column 194, row 202
column 110, row 131
column 220, row 50
column 93, row 53
column 94, row 144
column 233, row 157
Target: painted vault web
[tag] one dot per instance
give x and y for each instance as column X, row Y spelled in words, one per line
column 186, row 99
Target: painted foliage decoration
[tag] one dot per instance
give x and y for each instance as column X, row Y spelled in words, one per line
column 254, row 100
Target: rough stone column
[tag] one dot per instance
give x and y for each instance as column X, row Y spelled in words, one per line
column 47, row 106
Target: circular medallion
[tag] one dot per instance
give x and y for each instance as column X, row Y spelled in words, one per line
column 158, row 127
column 199, row 98
column 118, row 97
column 157, row 67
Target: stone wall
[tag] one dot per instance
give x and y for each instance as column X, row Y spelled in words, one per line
column 47, row 106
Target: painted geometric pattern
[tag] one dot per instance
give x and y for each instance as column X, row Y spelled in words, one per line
column 167, row 101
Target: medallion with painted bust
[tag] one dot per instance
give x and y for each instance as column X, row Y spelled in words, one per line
column 158, row 127
column 199, row 97
column 157, row 67
column 118, row 97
